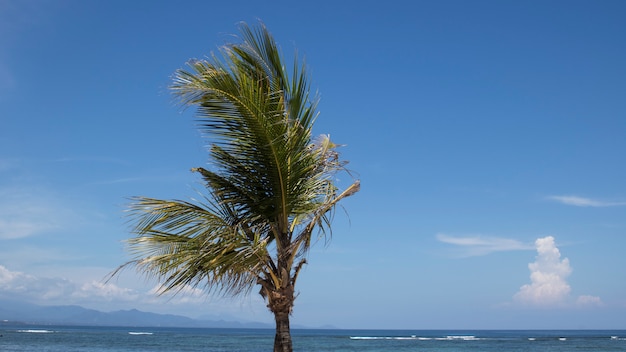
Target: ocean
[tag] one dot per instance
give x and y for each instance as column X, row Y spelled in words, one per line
column 123, row 339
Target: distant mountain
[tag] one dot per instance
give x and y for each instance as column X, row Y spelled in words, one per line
column 19, row 312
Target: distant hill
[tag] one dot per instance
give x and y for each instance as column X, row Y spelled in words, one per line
column 19, row 312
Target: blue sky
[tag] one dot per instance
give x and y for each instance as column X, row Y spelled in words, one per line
column 489, row 137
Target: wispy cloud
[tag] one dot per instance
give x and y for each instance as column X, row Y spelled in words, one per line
column 18, row 16
column 548, row 285
column 25, row 213
column 587, row 300
column 59, row 290
column 106, row 291
column 482, row 245
column 15, row 17
column 7, row 81
column 92, row 159
column 583, row 202
column 6, row 164
column 107, row 296
column 116, row 181
column 187, row 294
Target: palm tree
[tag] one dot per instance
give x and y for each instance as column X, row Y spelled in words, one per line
column 270, row 190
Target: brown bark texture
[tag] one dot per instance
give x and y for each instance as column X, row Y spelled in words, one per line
column 281, row 303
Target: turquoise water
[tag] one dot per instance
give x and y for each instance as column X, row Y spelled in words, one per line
column 113, row 339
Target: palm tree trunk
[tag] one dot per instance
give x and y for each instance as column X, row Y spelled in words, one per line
column 280, row 302
column 282, row 340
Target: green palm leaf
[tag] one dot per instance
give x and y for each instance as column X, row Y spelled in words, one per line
column 270, row 186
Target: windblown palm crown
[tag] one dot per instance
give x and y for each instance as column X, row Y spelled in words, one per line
column 270, row 187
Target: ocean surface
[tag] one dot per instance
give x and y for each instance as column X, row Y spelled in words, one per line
column 124, row 339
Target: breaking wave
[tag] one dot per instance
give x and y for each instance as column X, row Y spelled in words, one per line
column 36, row 331
column 420, row 338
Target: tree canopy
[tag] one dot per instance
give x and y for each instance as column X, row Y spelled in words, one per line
column 270, row 186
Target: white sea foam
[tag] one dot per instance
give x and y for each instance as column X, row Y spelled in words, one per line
column 372, row 338
column 36, row 331
column 384, row 338
column 460, row 337
column 139, row 333
column 419, row 338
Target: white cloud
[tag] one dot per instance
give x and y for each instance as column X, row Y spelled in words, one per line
column 548, row 279
column 186, row 294
column 547, row 275
column 583, row 202
column 31, row 287
column 45, row 290
column 481, row 245
column 107, row 296
column 586, row 300
column 107, row 291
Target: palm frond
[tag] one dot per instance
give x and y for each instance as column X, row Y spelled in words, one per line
column 183, row 244
column 270, row 185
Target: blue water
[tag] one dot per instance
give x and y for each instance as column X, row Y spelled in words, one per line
column 112, row 339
